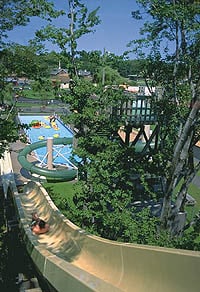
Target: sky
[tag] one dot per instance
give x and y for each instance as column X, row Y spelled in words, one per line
column 116, row 30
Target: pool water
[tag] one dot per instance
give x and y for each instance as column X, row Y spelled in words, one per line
column 61, row 153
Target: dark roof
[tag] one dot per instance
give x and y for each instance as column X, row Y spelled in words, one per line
column 59, row 71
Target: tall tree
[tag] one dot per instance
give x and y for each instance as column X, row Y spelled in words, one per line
column 107, row 188
column 12, row 14
column 171, row 38
column 12, row 57
column 17, row 13
column 81, row 22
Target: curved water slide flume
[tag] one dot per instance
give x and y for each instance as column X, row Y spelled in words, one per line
column 72, row 260
column 55, row 174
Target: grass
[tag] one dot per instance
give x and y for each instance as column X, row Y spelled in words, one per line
column 26, row 104
column 61, row 193
column 37, row 95
column 195, row 193
column 23, row 104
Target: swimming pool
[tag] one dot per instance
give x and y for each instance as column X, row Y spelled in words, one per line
column 61, row 153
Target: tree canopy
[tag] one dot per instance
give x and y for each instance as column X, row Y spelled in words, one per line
column 18, row 13
column 171, row 43
column 108, row 189
column 12, row 14
column 112, row 175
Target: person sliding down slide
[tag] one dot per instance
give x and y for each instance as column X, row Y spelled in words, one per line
column 38, row 226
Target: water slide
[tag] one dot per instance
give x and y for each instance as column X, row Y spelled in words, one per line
column 73, row 260
column 66, row 174
column 70, row 259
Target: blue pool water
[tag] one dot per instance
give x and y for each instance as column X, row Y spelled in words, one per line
column 46, row 131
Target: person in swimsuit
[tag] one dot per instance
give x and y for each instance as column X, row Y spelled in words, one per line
column 38, row 226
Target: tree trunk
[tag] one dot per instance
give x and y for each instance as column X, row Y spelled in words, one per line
column 179, row 159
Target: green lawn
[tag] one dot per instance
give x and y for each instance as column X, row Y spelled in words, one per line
column 37, row 95
column 61, row 193
column 195, row 193
column 23, row 104
column 27, row 104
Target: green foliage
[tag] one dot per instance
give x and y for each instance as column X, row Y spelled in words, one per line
column 6, row 94
column 15, row 13
column 90, row 61
column 26, row 61
column 105, row 212
column 65, row 189
column 190, row 239
column 9, row 129
column 192, row 210
column 116, row 222
column 107, row 190
column 117, row 68
column 174, row 26
column 112, row 77
column 109, row 171
column 169, row 42
column 62, row 195
column 81, row 22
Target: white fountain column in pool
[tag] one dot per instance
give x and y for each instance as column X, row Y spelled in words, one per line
column 50, row 153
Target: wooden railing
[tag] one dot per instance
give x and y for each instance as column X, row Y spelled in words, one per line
column 136, row 110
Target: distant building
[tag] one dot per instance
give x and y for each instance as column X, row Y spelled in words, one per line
column 60, row 76
column 18, row 83
column 85, row 74
column 140, row 90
